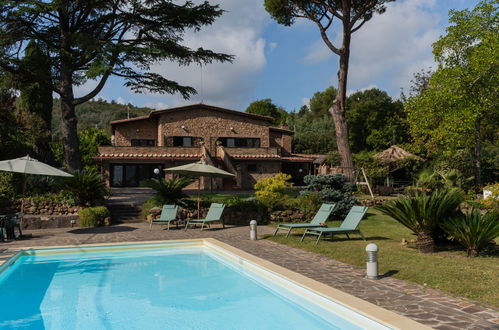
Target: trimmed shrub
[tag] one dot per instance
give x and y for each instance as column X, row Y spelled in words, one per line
column 93, row 216
column 333, row 188
column 271, row 191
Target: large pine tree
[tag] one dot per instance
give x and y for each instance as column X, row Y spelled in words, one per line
column 95, row 39
column 352, row 15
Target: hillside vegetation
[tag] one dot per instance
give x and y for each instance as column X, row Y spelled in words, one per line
column 96, row 114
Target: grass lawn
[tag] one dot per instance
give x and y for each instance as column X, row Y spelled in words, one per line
column 450, row 270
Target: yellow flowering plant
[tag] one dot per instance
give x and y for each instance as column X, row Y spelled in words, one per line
column 271, row 191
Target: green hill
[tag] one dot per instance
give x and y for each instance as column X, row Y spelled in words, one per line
column 96, row 114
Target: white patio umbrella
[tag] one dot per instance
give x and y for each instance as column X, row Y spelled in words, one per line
column 28, row 165
column 199, row 169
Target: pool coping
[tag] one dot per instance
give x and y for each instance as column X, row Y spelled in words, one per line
column 370, row 310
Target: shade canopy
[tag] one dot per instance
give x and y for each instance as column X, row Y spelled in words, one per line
column 200, row 169
column 28, row 165
column 393, row 154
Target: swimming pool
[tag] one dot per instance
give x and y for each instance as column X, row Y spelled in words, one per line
column 180, row 285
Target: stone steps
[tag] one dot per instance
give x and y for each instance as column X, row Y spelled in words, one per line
column 125, row 203
column 121, row 213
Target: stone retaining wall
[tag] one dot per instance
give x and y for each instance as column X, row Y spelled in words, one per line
column 49, row 221
column 372, row 203
column 42, row 208
column 291, row 216
column 232, row 215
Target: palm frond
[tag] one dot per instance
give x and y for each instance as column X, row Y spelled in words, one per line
column 419, row 211
column 473, row 230
column 168, row 191
column 86, row 187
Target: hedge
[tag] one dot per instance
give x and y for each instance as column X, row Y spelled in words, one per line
column 93, row 216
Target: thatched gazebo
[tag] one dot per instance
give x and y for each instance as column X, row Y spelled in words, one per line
column 393, row 154
column 393, row 159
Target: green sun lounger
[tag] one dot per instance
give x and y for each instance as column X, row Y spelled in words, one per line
column 168, row 214
column 348, row 226
column 321, row 216
column 214, row 215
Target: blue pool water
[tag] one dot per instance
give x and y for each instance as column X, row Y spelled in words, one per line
column 173, row 288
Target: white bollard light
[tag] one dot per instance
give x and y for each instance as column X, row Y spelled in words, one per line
column 372, row 261
column 253, row 230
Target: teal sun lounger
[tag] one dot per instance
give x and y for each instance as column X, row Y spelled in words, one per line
column 321, row 216
column 214, row 215
column 168, row 214
column 348, row 226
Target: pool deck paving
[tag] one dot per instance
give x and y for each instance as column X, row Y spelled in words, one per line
column 428, row 306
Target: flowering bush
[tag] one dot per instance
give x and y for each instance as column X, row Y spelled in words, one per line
column 492, row 201
column 270, row 191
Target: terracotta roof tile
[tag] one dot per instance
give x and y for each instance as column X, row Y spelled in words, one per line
column 282, row 129
column 129, row 119
column 146, row 156
column 256, row 156
column 301, row 158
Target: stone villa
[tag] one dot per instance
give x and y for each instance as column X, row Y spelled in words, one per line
column 242, row 143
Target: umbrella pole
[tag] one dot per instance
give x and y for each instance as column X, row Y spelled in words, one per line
column 199, row 196
column 24, row 191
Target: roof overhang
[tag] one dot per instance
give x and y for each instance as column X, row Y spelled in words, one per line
column 194, row 107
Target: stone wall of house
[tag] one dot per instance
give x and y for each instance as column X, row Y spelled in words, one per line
column 275, row 139
column 281, row 138
column 210, row 125
column 264, row 169
column 286, row 142
column 140, row 129
column 128, row 150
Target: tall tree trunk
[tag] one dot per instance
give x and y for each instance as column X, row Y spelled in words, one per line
column 337, row 111
column 69, row 123
column 478, row 155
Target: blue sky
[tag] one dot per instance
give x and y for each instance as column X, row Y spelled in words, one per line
column 290, row 64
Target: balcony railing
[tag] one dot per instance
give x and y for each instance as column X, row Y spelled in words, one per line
column 133, row 150
column 253, row 151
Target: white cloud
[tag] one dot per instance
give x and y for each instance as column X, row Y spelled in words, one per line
column 85, row 88
column 272, row 46
column 387, row 50
column 395, row 44
column 317, row 52
column 120, row 100
column 156, row 105
column 306, row 101
column 238, row 32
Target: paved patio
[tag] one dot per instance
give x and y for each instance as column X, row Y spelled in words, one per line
column 427, row 306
